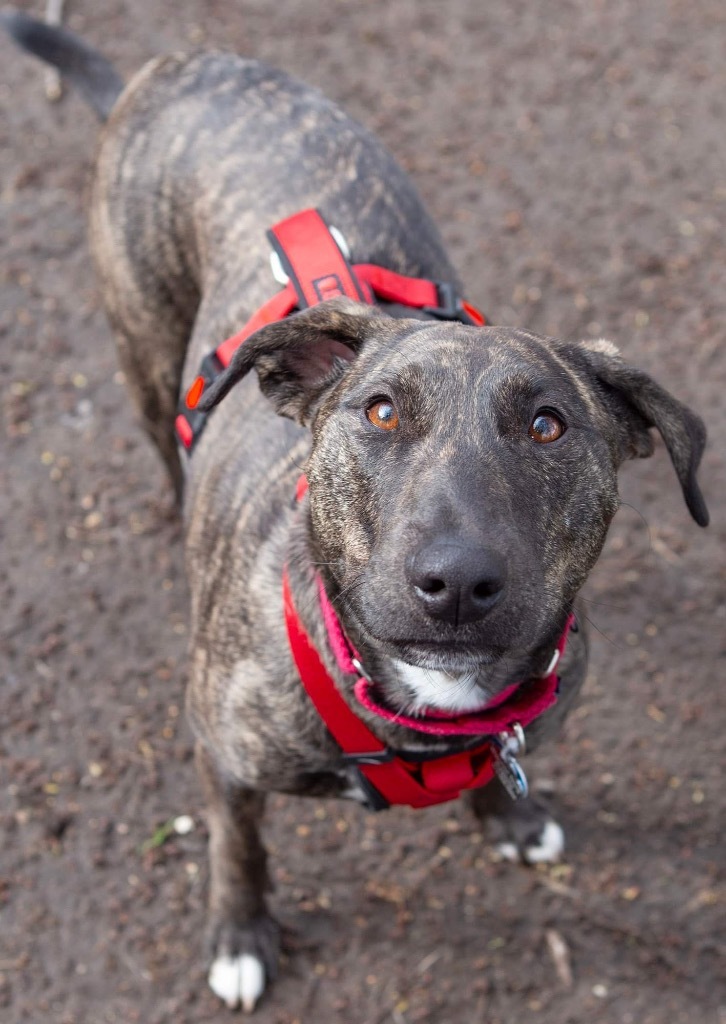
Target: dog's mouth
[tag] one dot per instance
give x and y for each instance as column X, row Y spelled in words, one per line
column 455, row 661
column 517, row 702
column 521, row 702
column 462, row 706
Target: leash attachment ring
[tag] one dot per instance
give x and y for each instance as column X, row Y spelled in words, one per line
column 506, row 748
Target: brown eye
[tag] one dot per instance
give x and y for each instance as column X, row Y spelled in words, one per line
column 383, row 414
column 546, row 427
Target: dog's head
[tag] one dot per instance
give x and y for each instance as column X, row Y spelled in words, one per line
column 462, row 479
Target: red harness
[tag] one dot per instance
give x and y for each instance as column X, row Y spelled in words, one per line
column 317, row 269
column 313, row 260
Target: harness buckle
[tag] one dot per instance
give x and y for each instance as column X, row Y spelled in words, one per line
column 190, row 420
column 370, row 797
column 449, row 307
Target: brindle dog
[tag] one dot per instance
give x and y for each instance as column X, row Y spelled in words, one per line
column 462, row 479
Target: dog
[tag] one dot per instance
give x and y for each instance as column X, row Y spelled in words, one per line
column 459, row 479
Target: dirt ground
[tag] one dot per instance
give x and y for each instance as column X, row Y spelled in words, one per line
column 574, row 154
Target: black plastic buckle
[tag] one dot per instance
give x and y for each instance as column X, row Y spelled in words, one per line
column 209, row 369
column 449, row 307
column 372, row 799
column 195, row 419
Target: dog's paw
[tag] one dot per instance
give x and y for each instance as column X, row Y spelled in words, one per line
column 522, row 830
column 544, row 844
column 244, row 960
column 238, row 980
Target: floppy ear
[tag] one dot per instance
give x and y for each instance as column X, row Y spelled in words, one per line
column 638, row 404
column 298, row 359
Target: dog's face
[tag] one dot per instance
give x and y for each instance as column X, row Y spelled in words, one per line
column 462, row 479
column 461, row 485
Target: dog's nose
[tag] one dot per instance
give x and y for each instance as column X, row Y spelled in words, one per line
column 455, row 582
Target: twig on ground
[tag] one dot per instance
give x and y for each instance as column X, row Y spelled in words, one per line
column 560, row 953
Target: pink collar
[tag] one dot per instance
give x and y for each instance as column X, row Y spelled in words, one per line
column 384, row 776
column 521, row 702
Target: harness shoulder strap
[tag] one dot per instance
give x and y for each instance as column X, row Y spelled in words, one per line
column 312, row 257
column 314, row 262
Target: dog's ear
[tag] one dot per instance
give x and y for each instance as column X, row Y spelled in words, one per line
column 636, row 404
column 298, row 359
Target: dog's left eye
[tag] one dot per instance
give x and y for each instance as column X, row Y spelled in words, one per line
column 382, row 414
column 546, row 426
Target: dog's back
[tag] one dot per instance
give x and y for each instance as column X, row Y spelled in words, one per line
column 198, row 156
column 226, row 147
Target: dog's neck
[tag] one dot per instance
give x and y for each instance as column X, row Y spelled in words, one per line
column 409, row 691
column 413, row 690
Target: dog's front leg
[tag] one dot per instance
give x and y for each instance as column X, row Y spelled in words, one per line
column 524, row 829
column 244, row 938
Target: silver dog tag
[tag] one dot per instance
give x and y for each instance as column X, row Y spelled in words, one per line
column 507, row 745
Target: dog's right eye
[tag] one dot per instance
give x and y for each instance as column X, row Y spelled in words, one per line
column 382, row 414
column 546, row 427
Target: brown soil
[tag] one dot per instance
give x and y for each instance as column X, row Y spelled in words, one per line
column 574, row 155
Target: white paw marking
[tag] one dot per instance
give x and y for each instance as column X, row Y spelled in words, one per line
column 550, row 847
column 238, row 980
column 548, row 850
column 508, row 851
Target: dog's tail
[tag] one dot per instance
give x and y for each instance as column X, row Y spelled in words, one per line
column 85, row 68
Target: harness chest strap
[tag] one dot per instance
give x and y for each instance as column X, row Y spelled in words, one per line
column 394, row 779
column 418, row 780
column 317, row 269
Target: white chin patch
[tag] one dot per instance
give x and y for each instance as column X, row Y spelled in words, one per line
column 434, row 689
column 238, row 980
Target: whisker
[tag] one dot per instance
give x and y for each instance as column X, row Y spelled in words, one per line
column 311, row 601
column 617, row 646
column 346, row 590
column 646, row 524
column 603, row 604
